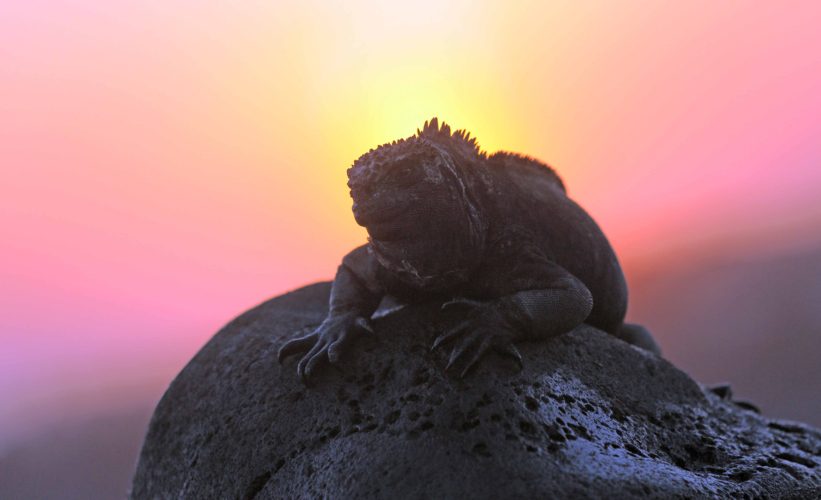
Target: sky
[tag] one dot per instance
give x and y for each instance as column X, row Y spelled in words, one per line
column 165, row 165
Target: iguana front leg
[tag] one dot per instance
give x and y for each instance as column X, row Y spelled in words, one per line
column 557, row 303
column 355, row 295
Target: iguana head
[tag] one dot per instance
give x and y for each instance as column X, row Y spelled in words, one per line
column 414, row 198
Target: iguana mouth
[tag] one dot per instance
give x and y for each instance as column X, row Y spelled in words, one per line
column 373, row 212
column 386, row 232
column 365, row 214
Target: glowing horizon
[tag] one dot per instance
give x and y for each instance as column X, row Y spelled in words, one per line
column 166, row 165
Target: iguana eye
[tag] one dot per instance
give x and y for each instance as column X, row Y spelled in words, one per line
column 404, row 175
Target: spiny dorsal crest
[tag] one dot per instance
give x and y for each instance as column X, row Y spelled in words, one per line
column 461, row 138
column 367, row 165
column 516, row 160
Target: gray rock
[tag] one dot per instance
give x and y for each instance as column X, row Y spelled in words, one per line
column 588, row 417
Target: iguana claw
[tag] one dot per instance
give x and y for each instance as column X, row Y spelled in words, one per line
column 485, row 330
column 325, row 343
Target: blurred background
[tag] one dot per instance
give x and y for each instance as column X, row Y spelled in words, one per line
column 166, row 165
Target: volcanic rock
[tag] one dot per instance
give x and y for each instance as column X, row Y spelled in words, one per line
column 589, row 416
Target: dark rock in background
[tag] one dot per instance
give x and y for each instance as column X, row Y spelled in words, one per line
column 589, row 416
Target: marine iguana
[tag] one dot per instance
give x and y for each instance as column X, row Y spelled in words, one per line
column 495, row 234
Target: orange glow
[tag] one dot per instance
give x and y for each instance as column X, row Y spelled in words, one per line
column 164, row 165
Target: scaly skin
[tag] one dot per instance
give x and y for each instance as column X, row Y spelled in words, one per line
column 497, row 234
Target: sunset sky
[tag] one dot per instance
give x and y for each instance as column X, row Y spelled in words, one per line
column 165, row 165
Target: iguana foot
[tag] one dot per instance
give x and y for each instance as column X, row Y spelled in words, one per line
column 325, row 343
column 484, row 330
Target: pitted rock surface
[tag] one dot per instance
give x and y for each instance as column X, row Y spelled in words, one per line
column 589, row 416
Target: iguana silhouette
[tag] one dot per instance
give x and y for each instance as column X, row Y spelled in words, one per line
column 494, row 234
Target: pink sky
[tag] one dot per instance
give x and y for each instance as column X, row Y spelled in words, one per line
column 165, row 165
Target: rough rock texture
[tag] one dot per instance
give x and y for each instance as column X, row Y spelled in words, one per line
column 589, row 416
